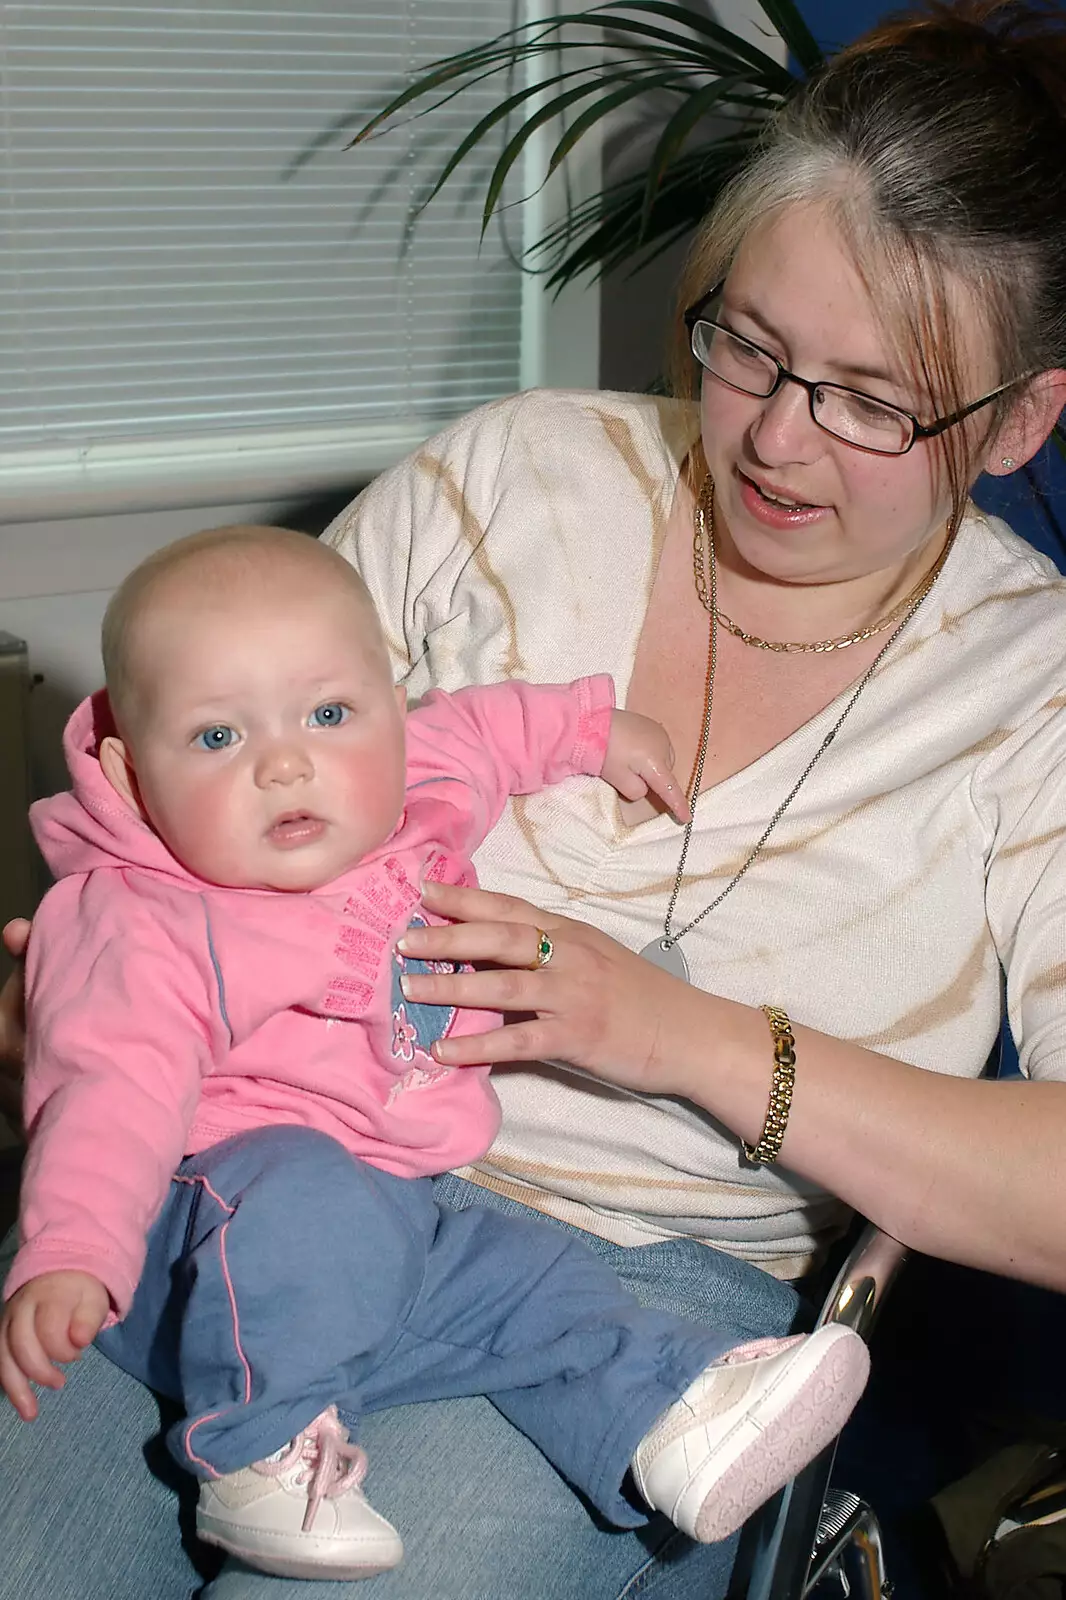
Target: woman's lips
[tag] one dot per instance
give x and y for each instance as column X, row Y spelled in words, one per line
column 289, row 832
column 773, row 513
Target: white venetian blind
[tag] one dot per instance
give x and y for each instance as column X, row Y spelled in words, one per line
column 172, row 271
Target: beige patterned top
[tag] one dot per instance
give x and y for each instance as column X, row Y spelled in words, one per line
column 926, row 848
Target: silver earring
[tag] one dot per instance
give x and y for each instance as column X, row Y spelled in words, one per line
column 1007, row 462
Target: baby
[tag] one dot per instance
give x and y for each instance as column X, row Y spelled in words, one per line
column 234, row 1114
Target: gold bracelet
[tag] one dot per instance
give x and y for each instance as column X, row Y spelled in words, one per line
column 781, row 1085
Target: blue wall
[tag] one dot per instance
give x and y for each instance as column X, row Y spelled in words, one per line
column 835, row 22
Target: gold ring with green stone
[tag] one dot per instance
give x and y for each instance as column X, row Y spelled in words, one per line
column 545, row 951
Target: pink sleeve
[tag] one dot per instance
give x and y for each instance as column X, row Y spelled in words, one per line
column 119, row 1033
column 509, row 738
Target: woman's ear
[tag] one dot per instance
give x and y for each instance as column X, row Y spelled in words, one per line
column 118, row 770
column 1028, row 425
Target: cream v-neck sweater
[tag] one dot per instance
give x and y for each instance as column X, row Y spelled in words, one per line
column 926, row 851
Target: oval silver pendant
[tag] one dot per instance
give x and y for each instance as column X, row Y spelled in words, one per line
column 669, row 956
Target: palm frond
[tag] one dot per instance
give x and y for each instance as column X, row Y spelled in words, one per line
column 675, row 135
column 785, row 17
column 599, row 61
column 602, row 234
column 641, row 83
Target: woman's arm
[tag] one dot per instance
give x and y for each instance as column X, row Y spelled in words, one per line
column 968, row 1170
column 417, row 533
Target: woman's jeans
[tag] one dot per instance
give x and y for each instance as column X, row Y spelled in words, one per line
column 482, row 1514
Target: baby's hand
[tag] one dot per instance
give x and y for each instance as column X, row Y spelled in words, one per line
column 640, row 759
column 50, row 1319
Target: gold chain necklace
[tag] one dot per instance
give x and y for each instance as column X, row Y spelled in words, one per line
column 820, row 646
column 665, row 951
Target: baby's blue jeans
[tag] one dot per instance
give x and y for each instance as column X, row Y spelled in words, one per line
column 89, row 1508
column 284, row 1275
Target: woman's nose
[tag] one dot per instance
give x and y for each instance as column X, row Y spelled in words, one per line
column 784, row 429
column 283, row 762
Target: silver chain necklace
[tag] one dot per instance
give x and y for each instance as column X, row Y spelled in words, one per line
column 666, row 952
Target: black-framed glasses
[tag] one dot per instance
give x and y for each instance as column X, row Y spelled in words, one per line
column 857, row 418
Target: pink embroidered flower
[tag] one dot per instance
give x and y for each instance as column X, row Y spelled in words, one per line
column 404, row 1035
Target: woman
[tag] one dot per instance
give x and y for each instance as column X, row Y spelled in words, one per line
column 863, row 675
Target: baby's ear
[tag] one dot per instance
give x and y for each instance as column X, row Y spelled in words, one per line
column 118, row 770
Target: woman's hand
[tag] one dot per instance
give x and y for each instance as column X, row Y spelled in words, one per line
column 595, row 1004
column 13, row 1024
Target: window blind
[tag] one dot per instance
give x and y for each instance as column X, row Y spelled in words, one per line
column 192, row 264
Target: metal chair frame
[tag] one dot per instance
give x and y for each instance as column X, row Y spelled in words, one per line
column 808, row 1534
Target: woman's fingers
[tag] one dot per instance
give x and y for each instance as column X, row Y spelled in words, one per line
column 518, row 1041
column 16, row 936
column 510, row 944
column 478, row 905
column 495, row 989
column 592, row 1002
column 12, row 1044
column 12, row 1021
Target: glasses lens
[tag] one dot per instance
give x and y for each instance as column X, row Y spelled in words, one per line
column 740, row 364
column 861, row 421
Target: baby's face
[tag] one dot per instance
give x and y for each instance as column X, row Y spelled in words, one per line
column 269, row 750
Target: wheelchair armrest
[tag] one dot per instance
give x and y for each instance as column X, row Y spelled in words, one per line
column 777, row 1544
column 863, row 1281
column 781, row 1537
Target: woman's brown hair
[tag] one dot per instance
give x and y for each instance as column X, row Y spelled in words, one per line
column 939, row 141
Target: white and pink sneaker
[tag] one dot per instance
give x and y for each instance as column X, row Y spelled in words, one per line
column 747, row 1425
column 301, row 1513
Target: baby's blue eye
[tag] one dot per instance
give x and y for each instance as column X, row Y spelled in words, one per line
column 217, row 738
column 330, row 715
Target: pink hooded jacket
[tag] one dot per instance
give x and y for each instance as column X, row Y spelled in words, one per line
column 166, row 1013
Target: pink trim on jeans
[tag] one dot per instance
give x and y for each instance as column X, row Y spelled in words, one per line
column 231, row 1212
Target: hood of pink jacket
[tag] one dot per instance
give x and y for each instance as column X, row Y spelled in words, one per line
column 91, row 826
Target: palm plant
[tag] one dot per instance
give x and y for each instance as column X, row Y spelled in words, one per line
column 586, row 66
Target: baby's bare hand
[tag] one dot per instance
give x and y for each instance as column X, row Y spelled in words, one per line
column 640, row 760
column 49, row 1320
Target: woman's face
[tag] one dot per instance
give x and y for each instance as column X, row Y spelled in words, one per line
column 800, row 506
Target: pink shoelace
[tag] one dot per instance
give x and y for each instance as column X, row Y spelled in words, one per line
column 332, row 1464
column 755, row 1349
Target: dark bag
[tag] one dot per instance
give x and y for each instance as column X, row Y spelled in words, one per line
column 1004, row 1523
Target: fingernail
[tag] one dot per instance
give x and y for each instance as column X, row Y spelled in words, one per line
column 405, row 985
column 402, row 945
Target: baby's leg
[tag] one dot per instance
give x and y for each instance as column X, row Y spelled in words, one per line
column 284, row 1261
column 535, row 1320
column 286, row 1267
column 531, row 1317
